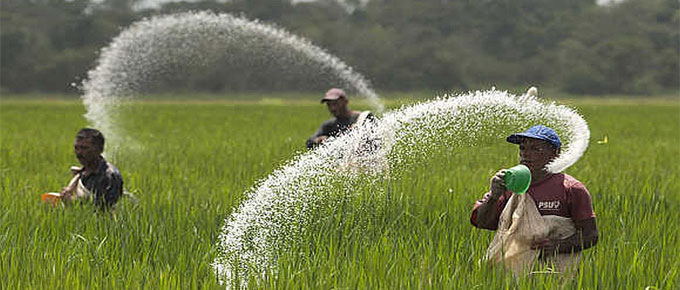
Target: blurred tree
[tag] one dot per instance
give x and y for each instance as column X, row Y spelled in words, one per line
column 46, row 45
column 630, row 47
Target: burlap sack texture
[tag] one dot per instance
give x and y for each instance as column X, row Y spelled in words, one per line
column 520, row 225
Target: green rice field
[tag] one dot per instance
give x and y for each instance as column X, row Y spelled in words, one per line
column 190, row 163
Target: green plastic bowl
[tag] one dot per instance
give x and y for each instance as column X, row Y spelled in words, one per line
column 518, row 179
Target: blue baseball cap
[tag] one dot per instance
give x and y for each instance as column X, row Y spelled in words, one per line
column 539, row 132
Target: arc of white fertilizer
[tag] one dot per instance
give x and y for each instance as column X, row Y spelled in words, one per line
column 156, row 46
column 264, row 223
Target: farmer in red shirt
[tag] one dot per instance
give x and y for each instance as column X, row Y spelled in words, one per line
column 554, row 193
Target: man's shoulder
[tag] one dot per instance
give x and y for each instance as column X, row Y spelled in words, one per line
column 573, row 186
column 561, row 180
column 111, row 170
column 570, row 181
column 364, row 116
column 329, row 122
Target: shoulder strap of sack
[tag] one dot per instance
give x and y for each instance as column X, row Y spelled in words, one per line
column 361, row 119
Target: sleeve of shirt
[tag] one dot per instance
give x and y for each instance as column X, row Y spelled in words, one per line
column 581, row 207
column 499, row 208
column 322, row 130
column 115, row 189
column 112, row 188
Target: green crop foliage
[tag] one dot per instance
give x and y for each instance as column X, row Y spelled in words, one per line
column 190, row 163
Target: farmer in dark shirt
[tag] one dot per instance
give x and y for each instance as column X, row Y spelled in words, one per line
column 98, row 180
column 343, row 118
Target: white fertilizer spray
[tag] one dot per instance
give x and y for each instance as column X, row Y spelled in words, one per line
column 276, row 212
column 163, row 49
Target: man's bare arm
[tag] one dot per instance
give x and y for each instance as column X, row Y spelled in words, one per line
column 486, row 212
column 585, row 237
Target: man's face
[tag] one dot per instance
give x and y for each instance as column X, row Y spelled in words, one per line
column 85, row 151
column 336, row 107
column 535, row 153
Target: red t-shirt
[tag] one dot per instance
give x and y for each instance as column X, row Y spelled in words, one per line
column 559, row 194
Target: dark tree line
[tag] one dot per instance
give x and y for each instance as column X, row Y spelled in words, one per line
column 577, row 46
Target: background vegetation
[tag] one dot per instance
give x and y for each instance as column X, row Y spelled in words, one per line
column 197, row 159
column 431, row 45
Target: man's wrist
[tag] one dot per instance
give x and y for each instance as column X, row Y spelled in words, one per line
column 493, row 198
column 571, row 244
column 495, row 195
